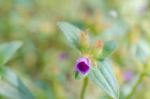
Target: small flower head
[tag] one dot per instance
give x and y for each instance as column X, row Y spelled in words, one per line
column 128, row 75
column 63, row 56
column 83, row 66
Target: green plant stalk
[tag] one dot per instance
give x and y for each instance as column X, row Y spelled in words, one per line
column 141, row 77
column 84, row 87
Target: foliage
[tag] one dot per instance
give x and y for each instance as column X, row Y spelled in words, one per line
column 40, row 41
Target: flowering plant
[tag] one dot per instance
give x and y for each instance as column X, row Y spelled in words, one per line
column 92, row 62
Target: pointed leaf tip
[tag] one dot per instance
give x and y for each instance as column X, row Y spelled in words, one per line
column 71, row 32
column 7, row 50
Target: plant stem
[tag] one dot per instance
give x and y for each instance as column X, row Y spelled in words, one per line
column 141, row 77
column 84, row 87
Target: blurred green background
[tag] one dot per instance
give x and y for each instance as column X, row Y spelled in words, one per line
column 45, row 62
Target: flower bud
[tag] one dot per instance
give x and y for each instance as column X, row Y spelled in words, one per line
column 98, row 48
column 84, row 40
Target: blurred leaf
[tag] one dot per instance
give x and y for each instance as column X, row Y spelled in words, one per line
column 8, row 91
column 13, row 86
column 71, row 32
column 47, row 91
column 103, row 76
column 1, row 71
column 7, row 50
column 142, row 50
column 108, row 49
column 25, row 92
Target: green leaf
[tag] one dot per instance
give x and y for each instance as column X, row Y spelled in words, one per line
column 108, row 49
column 8, row 91
column 11, row 86
column 72, row 33
column 7, row 50
column 78, row 76
column 103, row 76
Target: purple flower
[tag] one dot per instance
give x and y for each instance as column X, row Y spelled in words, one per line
column 63, row 56
column 143, row 7
column 83, row 66
column 128, row 75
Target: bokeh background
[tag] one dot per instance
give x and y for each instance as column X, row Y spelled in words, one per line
column 45, row 62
